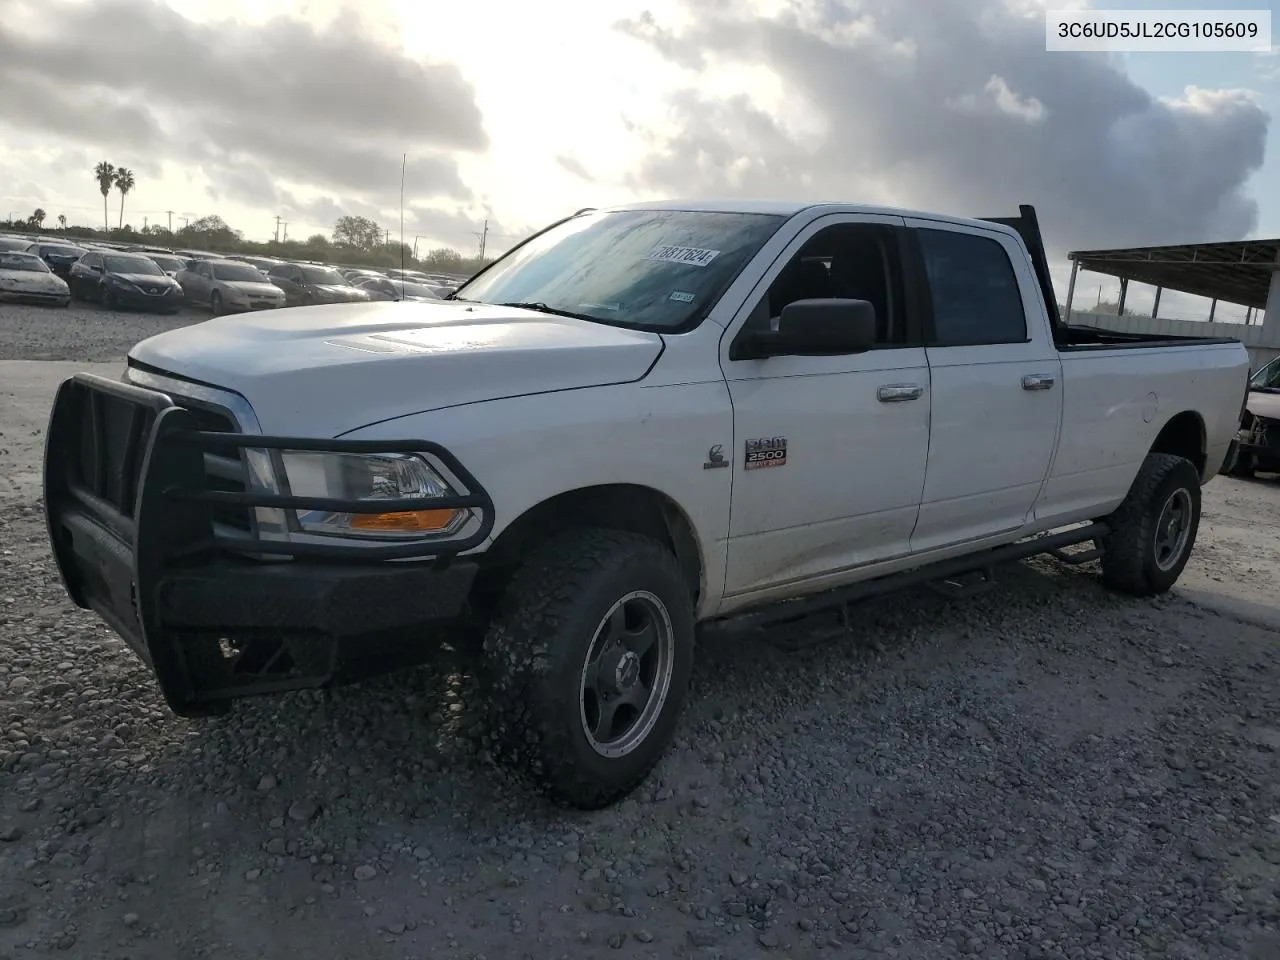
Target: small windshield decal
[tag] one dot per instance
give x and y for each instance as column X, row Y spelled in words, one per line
column 692, row 256
column 681, row 297
column 611, row 307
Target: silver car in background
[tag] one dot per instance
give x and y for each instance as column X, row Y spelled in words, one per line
column 25, row 278
column 229, row 286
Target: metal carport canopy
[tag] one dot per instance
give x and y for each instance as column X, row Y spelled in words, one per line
column 1236, row 272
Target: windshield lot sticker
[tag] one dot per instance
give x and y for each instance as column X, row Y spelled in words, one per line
column 679, row 296
column 765, row 452
column 692, row 256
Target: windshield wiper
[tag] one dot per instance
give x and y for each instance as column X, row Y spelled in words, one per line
column 543, row 308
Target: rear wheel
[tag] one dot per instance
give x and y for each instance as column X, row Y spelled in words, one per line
column 588, row 660
column 1154, row 529
column 215, row 303
column 110, row 300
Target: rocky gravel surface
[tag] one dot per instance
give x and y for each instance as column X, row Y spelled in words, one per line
column 1044, row 771
column 82, row 331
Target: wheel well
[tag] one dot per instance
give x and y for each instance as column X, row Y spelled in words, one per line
column 1183, row 436
column 616, row 506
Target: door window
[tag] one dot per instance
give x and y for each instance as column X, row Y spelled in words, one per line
column 854, row 261
column 976, row 297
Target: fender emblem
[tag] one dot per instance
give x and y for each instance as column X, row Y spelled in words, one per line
column 715, row 458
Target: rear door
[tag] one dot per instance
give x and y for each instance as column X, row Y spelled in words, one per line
column 997, row 385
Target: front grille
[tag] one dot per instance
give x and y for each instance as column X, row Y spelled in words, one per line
column 224, row 466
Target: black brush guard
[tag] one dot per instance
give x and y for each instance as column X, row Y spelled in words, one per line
column 130, row 520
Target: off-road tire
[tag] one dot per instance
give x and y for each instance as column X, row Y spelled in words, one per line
column 538, row 641
column 1129, row 557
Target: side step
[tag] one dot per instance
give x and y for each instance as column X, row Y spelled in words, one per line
column 954, row 579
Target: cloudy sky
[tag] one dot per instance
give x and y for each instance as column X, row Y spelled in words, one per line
column 521, row 113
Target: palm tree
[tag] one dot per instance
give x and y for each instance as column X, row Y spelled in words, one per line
column 62, row 221
column 106, row 174
column 124, row 183
column 37, row 218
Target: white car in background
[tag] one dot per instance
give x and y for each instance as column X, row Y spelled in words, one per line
column 25, row 278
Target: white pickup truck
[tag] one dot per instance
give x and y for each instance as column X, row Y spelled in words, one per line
column 640, row 419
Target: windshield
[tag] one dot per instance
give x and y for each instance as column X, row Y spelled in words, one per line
column 322, row 275
column 22, row 261
column 10, row 243
column 166, row 263
column 238, row 272
column 62, row 251
column 133, row 265
column 649, row 269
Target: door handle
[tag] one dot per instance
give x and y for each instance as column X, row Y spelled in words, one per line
column 899, row 392
column 1037, row 381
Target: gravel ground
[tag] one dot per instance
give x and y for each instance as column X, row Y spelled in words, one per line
column 82, row 331
column 1043, row 771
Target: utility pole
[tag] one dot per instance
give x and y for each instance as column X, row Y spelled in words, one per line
column 170, row 213
column 483, row 235
column 386, row 238
column 286, row 231
column 145, row 221
column 277, row 228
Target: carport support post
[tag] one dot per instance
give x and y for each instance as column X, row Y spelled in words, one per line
column 1213, row 308
column 1071, row 290
column 1155, row 307
column 1124, row 292
column 1271, row 313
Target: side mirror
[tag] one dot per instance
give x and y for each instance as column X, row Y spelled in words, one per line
column 813, row 328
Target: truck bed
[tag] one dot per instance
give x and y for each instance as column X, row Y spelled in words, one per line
column 1068, row 338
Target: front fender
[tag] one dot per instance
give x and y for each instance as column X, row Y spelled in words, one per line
column 527, row 450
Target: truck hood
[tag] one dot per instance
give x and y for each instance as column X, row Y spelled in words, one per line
column 325, row 370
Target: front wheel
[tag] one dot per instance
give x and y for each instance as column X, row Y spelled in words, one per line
column 1154, row 529
column 588, row 661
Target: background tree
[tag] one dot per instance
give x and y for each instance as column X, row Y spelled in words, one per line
column 37, row 218
column 359, row 232
column 62, row 221
column 106, row 174
column 124, row 183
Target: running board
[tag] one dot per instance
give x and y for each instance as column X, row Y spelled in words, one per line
column 957, row 578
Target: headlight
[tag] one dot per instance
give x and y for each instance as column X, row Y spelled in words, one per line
column 384, row 476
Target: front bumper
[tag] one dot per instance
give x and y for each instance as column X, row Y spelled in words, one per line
column 54, row 297
column 171, row 298
column 132, row 521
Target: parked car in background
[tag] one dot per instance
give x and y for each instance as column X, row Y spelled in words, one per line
column 384, row 288
column 119, row 280
column 59, row 256
column 167, row 262
column 14, row 243
column 262, row 263
column 1256, row 446
column 306, row 283
column 356, row 274
column 229, row 286
column 25, row 278
column 198, row 255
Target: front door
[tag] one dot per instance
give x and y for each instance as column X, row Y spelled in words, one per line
column 997, row 386
column 830, row 453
